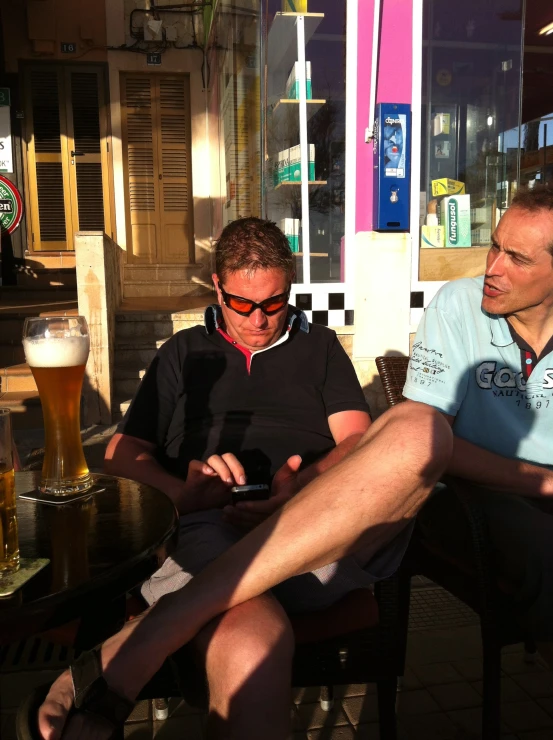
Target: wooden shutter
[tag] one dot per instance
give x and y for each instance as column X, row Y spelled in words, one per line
column 175, row 181
column 66, row 154
column 140, row 158
column 47, row 159
column 156, row 150
column 84, row 142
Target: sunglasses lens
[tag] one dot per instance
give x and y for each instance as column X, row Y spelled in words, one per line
column 240, row 305
column 274, row 304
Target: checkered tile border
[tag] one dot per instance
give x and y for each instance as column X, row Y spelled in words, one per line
column 326, row 308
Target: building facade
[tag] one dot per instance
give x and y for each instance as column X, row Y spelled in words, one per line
column 157, row 123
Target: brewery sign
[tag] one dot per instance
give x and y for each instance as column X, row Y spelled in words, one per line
column 11, row 206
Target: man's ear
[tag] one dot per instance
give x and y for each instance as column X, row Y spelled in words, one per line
column 216, row 286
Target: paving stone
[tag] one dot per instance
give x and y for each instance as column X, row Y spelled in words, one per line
column 354, row 689
column 176, row 728
column 437, row 673
column 535, row 735
column 138, row 731
column 361, row 709
column 339, row 733
column 369, row 731
column 410, row 680
column 526, row 715
column 426, row 726
column 514, row 663
column 547, row 704
column 510, row 690
column 536, row 684
column 443, row 645
column 311, row 716
column 471, row 669
column 141, row 712
column 418, row 701
column 455, row 696
column 470, row 721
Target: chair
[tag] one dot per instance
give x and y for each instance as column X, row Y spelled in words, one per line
column 475, row 583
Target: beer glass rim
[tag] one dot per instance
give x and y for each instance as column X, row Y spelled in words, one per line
column 4, row 411
column 75, row 320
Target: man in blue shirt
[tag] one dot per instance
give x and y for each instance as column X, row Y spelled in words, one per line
column 483, row 356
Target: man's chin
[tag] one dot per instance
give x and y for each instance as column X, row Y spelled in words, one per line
column 493, row 304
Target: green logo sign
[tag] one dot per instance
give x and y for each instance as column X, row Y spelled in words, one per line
column 11, row 206
column 453, row 221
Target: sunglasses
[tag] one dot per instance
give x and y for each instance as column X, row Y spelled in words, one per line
column 245, row 307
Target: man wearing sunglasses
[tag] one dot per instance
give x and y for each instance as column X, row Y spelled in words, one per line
column 257, row 395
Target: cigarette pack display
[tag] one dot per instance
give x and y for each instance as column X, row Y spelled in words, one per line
column 295, row 163
column 284, row 166
column 291, row 229
column 293, row 83
column 311, row 162
column 446, row 186
column 294, row 6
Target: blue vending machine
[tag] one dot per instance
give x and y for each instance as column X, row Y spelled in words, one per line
column 392, row 166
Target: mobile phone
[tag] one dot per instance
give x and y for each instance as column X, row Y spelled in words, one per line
column 254, row 492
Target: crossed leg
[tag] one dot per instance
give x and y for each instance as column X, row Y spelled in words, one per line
column 361, row 503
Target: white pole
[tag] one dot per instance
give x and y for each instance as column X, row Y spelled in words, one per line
column 369, row 131
column 304, row 148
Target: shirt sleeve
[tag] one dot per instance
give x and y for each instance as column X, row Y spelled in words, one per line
column 342, row 390
column 153, row 405
column 439, row 366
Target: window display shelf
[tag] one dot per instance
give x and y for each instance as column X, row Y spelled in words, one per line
column 452, row 263
column 282, row 40
column 311, row 183
column 281, row 108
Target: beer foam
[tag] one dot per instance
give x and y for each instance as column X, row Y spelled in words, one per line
column 56, row 351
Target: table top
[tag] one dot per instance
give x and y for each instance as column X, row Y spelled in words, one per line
column 99, row 548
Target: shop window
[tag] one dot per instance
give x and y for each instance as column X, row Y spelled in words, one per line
column 470, row 148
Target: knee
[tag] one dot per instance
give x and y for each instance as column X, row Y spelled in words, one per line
column 242, row 641
column 422, row 436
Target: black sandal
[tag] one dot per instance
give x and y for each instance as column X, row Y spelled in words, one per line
column 92, row 696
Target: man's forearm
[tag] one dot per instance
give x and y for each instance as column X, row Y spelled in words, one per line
column 142, row 466
column 326, row 462
column 480, row 466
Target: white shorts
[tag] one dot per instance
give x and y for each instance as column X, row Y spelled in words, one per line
column 205, row 535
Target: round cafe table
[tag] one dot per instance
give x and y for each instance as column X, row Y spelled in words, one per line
column 99, row 548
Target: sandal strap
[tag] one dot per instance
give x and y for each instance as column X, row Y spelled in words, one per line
column 93, row 695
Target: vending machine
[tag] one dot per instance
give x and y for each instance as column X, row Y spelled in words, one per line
column 392, row 167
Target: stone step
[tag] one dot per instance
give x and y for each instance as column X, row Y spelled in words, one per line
column 40, row 293
column 45, row 278
column 128, row 371
column 25, row 407
column 152, row 329
column 119, row 407
column 142, row 355
column 17, row 378
column 152, row 343
column 126, row 387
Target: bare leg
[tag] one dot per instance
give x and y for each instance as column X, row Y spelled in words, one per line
column 248, row 657
column 362, row 502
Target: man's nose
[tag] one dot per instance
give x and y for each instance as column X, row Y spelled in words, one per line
column 258, row 318
column 495, row 263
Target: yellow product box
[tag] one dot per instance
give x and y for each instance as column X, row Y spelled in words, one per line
column 294, row 6
column 432, row 237
column 447, row 187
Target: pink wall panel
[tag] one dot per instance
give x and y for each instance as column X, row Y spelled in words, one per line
column 393, row 86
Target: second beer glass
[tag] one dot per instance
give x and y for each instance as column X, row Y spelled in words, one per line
column 56, row 349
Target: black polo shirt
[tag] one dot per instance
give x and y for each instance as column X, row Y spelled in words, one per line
column 198, row 399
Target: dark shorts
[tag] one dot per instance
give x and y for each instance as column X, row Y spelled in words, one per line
column 521, row 536
column 205, row 535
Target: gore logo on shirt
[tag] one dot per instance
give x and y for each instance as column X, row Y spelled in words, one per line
column 488, row 377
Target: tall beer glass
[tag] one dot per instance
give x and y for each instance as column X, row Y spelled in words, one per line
column 9, row 545
column 56, row 349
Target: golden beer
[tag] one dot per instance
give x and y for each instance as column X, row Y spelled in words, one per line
column 9, row 544
column 57, row 353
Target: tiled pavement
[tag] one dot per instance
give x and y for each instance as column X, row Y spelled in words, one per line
column 440, row 698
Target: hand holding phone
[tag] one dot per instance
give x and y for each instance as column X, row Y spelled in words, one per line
column 253, row 492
